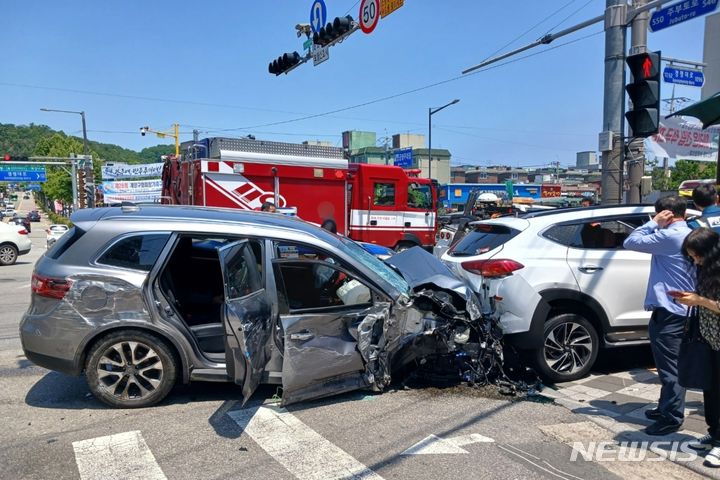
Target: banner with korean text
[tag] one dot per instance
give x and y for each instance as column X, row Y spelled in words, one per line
column 145, row 170
column 683, row 139
column 131, row 191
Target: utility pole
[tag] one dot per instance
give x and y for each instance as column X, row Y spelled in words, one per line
column 635, row 153
column 614, row 100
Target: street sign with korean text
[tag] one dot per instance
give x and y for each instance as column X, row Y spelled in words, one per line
column 403, row 158
column 389, row 6
column 318, row 15
column 684, row 76
column 369, row 15
column 320, row 54
column 680, row 12
column 22, row 173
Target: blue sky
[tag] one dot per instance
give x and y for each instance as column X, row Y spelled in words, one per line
column 204, row 65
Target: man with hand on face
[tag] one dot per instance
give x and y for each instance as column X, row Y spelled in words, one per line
column 663, row 237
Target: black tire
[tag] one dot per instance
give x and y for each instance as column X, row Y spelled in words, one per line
column 570, row 348
column 141, row 382
column 8, row 254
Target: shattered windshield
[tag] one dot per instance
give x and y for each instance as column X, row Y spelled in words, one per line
column 377, row 266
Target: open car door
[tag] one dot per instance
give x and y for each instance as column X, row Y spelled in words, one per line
column 246, row 314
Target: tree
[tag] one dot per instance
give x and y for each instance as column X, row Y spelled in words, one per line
column 691, row 170
column 59, row 184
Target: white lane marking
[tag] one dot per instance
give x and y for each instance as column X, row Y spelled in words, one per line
column 434, row 445
column 297, row 447
column 122, row 456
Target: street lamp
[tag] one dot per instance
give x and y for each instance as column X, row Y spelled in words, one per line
column 175, row 133
column 82, row 114
column 91, row 198
column 431, row 112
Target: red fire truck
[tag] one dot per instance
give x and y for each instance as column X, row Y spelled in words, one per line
column 379, row 204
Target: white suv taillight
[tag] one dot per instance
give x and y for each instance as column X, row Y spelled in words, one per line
column 492, row 268
column 49, row 287
column 23, row 232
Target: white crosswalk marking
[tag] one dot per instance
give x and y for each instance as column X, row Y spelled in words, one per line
column 123, row 456
column 297, row 447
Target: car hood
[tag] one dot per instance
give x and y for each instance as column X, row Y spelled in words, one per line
column 422, row 269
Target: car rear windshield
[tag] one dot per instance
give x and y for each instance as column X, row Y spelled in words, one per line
column 483, row 238
column 64, row 242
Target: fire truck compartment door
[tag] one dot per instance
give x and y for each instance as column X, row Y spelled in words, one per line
column 246, row 315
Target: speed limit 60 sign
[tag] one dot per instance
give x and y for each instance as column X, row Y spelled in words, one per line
column 369, row 15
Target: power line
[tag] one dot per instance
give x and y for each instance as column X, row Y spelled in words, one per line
column 569, row 16
column 414, row 90
column 531, row 29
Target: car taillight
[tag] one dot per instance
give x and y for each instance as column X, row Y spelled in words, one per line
column 49, row 287
column 23, row 232
column 492, row 268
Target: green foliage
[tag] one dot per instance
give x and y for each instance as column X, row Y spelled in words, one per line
column 691, row 170
column 153, row 154
column 59, row 185
column 23, row 140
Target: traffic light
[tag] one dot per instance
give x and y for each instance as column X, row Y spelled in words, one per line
column 644, row 93
column 333, row 30
column 15, row 158
column 284, row 63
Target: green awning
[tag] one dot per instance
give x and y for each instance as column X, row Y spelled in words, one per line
column 707, row 111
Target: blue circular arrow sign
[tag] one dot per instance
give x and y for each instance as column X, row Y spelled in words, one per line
column 318, row 15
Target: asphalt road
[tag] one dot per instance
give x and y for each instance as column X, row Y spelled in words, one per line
column 53, row 428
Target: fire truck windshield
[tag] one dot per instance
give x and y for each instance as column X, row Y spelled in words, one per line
column 377, row 265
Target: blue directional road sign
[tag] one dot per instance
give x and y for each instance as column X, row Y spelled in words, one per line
column 22, row 173
column 682, row 76
column 318, row 15
column 403, row 158
column 680, row 12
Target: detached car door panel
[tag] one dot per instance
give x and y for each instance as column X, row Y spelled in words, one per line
column 246, row 316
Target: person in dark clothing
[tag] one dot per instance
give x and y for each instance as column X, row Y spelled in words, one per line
column 705, row 198
column 663, row 237
column 329, row 225
column 703, row 248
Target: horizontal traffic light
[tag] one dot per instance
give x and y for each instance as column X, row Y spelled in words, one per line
column 333, row 30
column 15, row 158
column 284, row 63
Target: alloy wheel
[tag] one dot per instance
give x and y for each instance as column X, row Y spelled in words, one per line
column 130, row 370
column 7, row 255
column 568, row 348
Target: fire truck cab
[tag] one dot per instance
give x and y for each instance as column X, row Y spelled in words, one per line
column 379, row 204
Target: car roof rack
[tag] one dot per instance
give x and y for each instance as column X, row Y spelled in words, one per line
column 129, row 207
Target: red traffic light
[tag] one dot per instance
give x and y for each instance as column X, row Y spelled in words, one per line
column 7, row 157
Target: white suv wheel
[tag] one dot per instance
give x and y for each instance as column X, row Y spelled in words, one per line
column 570, row 348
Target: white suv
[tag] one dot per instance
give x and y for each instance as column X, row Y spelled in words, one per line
column 14, row 241
column 561, row 282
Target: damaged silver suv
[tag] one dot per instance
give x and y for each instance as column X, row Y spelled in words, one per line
column 139, row 298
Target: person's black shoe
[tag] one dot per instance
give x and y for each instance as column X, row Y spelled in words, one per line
column 663, row 427
column 653, row 414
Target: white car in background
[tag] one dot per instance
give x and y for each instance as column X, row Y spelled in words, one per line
column 560, row 282
column 13, row 243
column 54, row 232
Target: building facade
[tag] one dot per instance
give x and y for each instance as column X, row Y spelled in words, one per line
column 711, row 56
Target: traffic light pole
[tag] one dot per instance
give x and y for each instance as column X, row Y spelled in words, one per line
column 635, row 152
column 614, row 99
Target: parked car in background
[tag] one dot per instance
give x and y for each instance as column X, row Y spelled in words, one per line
column 9, row 212
column 10, row 206
column 54, row 232
column 14, row 241
column 22, row 220
column 34, row 216
column 560, row 282
column 139, row 297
